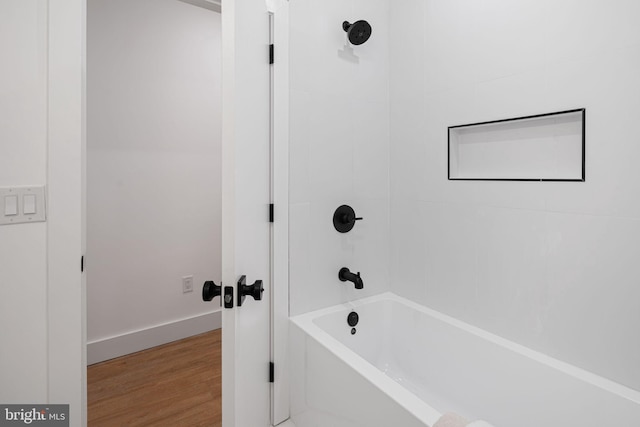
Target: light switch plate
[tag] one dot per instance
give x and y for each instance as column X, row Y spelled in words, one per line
column 34, row 201
column 10, row 205
column 29, row 204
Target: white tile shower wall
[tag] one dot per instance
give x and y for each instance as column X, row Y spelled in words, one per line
column 552, row 266
column 339, row 151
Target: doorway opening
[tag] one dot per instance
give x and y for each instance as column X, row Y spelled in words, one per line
column 153, row 178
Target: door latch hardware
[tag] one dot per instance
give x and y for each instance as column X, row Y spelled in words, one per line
column 228, row 297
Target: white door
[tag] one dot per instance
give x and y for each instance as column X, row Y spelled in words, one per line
column 245, row 211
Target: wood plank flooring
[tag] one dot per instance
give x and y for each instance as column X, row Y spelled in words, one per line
column 177, row 384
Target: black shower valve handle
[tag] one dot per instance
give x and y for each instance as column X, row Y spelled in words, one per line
column 344, row 218
column 347, row 219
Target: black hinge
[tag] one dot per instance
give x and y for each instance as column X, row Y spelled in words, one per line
column 271, row 53
column 272, row 372
column 82, row 264
column 271, row 212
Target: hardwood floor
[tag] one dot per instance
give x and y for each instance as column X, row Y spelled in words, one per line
column 177, row 384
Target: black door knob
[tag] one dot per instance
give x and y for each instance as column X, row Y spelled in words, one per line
column 210, row 290
column 244, row 290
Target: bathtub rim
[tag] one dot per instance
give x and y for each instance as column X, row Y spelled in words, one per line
column 408, row 400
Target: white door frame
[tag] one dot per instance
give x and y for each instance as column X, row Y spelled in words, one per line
column 66, row 142
column 280, row 177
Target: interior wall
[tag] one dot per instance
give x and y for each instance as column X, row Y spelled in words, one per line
column 154, row 149
column 339, row 146
column 23, row 161
column 550, row 265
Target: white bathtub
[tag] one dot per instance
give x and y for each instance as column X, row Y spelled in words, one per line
column 407, row 364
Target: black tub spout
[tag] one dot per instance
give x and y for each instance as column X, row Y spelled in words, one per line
column 345, row 275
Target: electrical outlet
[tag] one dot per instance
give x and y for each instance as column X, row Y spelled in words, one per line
column 187, row 284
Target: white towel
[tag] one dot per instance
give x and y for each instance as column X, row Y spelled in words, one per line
column 451, row 420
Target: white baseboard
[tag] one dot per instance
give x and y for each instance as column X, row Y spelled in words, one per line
column 112, row 347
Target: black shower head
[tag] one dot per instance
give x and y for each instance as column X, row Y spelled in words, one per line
column 358, row 32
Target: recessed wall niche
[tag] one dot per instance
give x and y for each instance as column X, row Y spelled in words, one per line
column 544, row 147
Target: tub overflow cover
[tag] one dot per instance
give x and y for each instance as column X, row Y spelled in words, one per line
column 352, row 319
